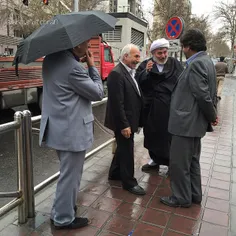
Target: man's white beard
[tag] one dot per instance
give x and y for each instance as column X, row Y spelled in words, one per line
column 160, row 62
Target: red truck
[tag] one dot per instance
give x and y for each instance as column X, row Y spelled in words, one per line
column 26, row 89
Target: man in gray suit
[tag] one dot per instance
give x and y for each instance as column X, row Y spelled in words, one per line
column 192, row 112
column 67, row 124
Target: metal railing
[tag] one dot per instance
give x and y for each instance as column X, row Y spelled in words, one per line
column 25, row 195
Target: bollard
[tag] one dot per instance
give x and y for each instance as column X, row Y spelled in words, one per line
column 29, row 163
column 22, row 208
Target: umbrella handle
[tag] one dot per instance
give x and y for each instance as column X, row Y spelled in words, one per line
column 16, row 66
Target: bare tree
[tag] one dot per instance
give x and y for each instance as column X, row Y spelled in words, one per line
column 217, row 46
column 26, row 19
column 227, row 13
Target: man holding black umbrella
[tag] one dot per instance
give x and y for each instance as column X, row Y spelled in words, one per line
column 68, row 89
column 67, row 124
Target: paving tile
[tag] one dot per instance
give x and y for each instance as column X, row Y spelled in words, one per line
column 90, row 176
column 156, row 217
column 163, row 191
column 216, row 217
column 222, row 163
column 156, row 204
column 131, row 211
column 152, row 179
column 223, row 157
column 224, row 152
column 85, row 199
column 206, row 160
column 106, row 204
column 120, row 225
column 149, row 188
column 222, row 147
column 183, row 225
column 97, row 218
column 217, row 204
column 193, row 212
column 95, row 189
column 85, row 231
column 215, row 183
column 205, row 166
column 139, row 200
column 233, row 220
column 221, row 176
column 204, row 180
column 143, row 229
column 206, row 154
column 15, row 230
column 212, row 230
column 117, row 193
column 205, row 173
column 104, row 233
column 171, row 233
column 233, row 193
column 208, row 150
column 47, row 229
column 222, row 169
column 98, row 169
column 218, row 193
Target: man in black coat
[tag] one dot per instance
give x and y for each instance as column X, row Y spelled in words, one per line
column 157, row 77
column 192, row 112
column 123, row 115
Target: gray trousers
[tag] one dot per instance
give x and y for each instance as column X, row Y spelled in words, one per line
column 71, row 168
column 185, row 172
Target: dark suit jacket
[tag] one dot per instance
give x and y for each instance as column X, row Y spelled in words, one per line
column 124, row 103
column 193, row 100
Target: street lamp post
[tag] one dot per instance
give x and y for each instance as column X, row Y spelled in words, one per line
column 76, row 5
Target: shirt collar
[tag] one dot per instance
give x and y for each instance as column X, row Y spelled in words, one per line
column 126, row 67
column 190, row 59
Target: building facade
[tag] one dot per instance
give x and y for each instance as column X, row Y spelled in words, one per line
column 128, row 29
column 133, row 6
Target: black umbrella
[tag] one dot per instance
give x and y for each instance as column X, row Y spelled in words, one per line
column 63, row 32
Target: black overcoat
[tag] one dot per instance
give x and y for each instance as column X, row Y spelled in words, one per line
column 157, row 88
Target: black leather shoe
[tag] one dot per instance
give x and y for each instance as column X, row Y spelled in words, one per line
column 147, row 168
column 77, row 223
column 173, row 202
column 136, row 190
column 75, row 209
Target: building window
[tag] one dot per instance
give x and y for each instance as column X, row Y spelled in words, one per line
column 113, row 36
column 18, row 33
column 8, row 52
column 107, row 55
column 137, row 37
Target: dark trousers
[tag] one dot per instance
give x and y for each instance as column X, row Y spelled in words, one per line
column 122, row 166
column 185, row 172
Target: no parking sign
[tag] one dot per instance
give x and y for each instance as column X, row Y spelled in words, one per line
column 174, row 27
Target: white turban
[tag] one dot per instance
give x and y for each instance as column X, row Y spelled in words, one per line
column 159, row 43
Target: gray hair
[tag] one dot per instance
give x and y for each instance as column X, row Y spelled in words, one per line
column 126, row 50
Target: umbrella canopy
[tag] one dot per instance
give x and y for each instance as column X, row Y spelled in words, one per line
column 63, row 32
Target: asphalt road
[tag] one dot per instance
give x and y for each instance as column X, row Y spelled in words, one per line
column 45, row 161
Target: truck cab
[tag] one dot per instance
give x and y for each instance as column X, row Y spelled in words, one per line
column 26, row 89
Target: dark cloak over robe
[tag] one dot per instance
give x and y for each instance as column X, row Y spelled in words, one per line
column 157, row 88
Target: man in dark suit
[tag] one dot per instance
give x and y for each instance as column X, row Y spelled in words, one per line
column 123, row 117
column 192, row 112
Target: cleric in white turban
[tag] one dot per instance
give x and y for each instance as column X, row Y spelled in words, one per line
column 159, row 43
column 157, row 77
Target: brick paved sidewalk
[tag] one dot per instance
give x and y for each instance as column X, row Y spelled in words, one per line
column 113, row 211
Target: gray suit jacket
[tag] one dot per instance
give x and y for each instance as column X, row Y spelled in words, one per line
column 68, row 89
column 193, row 101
